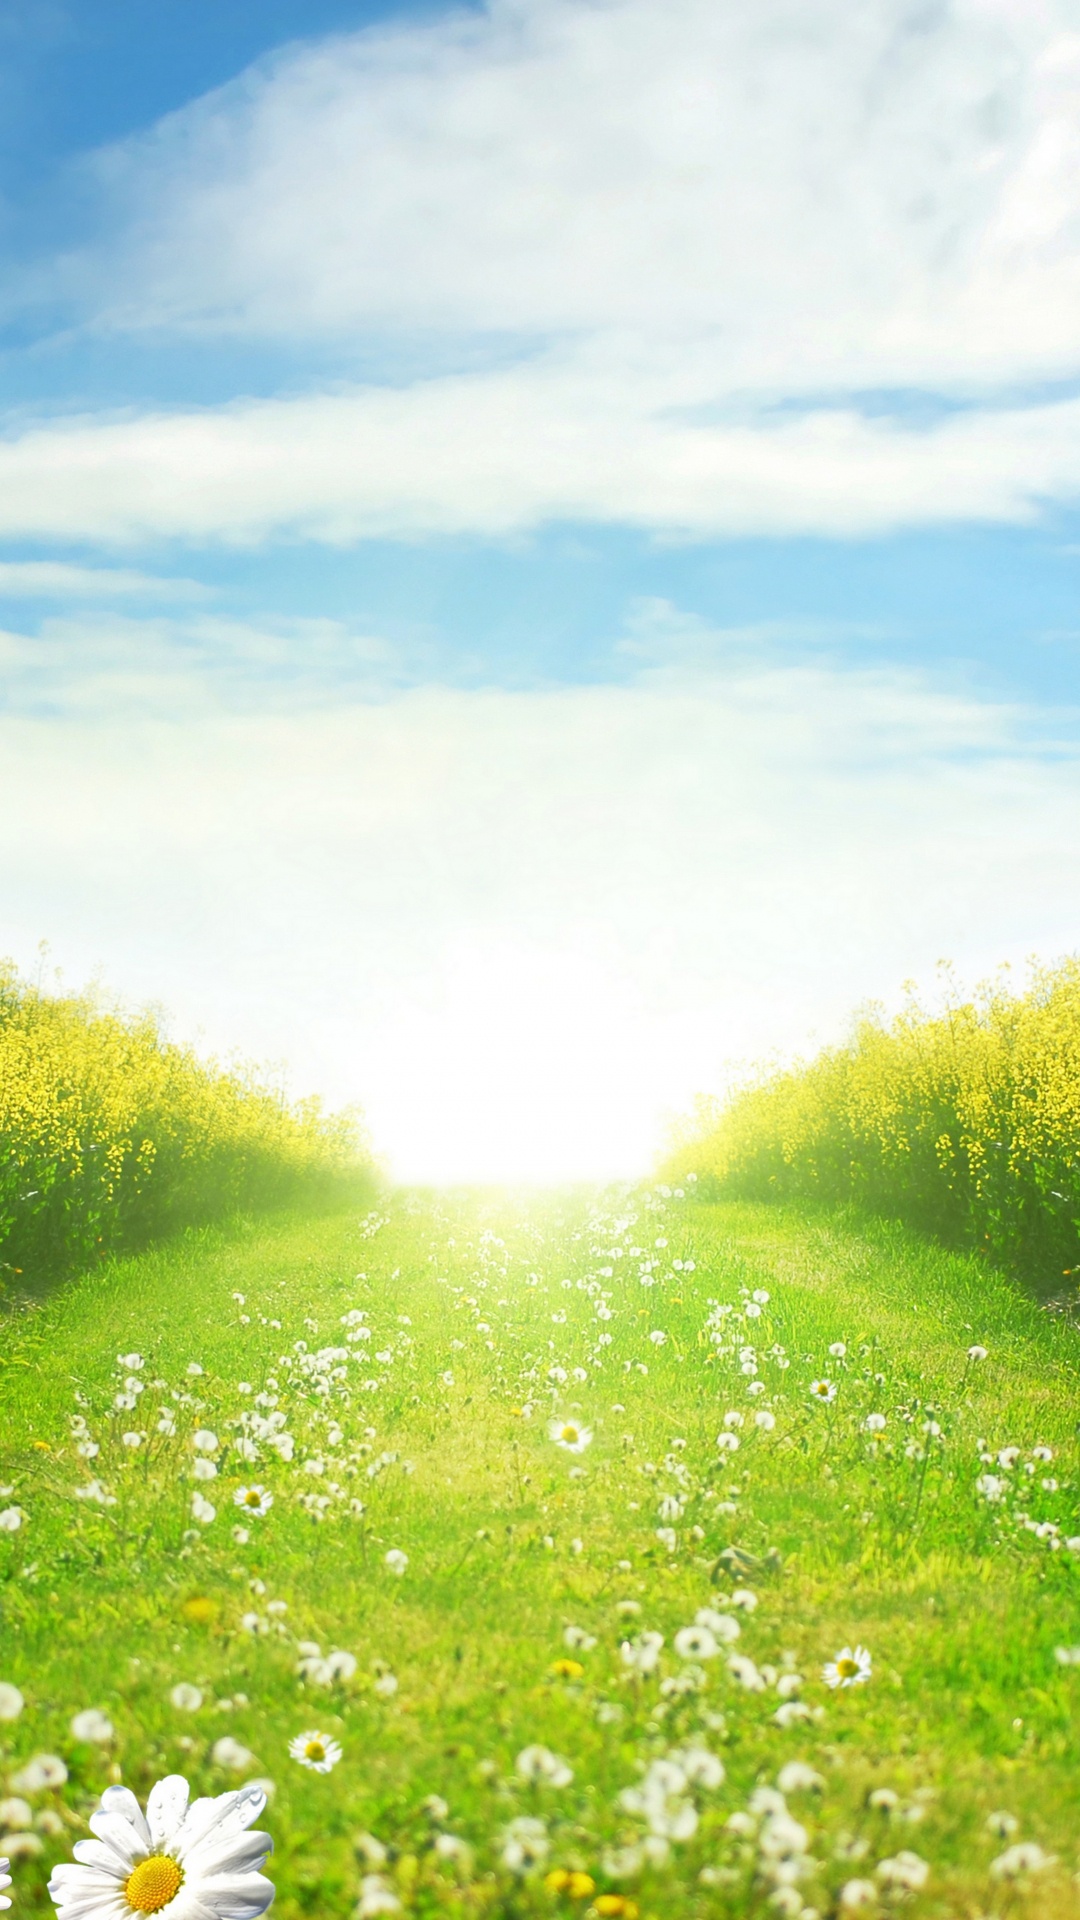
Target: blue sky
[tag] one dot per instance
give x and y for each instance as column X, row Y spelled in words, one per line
column 539, row 542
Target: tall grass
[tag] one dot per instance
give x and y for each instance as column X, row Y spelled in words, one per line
column 963, row 1122
column 111, row 1135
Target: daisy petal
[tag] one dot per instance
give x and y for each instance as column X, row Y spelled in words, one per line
column 121, row 1801
column 120, row 1837
column 231, row 1854
column 166, row 1807
column 239, row 1896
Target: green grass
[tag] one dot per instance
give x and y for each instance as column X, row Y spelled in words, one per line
column 845, row 1538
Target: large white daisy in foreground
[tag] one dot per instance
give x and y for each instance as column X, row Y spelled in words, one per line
column 184, row 1862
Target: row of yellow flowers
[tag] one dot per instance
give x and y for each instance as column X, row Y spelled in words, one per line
column 110, row 1134
column 964, row 1121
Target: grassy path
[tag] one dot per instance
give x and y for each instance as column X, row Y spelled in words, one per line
column 391, row 1383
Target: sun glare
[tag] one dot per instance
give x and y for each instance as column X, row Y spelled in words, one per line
column 520, row 1067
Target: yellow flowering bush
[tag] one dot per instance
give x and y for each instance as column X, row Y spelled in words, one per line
column 110, row 1134
column 965, row 1122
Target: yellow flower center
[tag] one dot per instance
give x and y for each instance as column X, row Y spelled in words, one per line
column 570, row 1434
column 315, row 1750
column 153, row 1884
column 847, row 1669
column 253, row 1499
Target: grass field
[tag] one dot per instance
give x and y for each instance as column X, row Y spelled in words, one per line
column 573, row 1501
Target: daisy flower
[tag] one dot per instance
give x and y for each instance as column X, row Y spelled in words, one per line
column 257, row 1500
column 570, row 1434
column 539, row 1764
column 823, row 1390
column 5, row 1882
column 696, row 1643
column 1026, row 1857
column 92, row 1725
column 526, row 1844
column 176, row 1860
column 850, row 1668
column 315, row 1750
column 722, row 1626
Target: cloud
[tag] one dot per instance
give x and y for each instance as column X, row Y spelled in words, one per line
column 108, row 664
column 884, row 197
column 521, row 926
column 502, row 453
column 707, row 269
column 59, row 580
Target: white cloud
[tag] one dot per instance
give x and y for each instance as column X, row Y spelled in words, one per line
column 519, row 927
column 825, row 194
column 107, row 664
column 501, row 453
column 59, row 580
column 631, row 263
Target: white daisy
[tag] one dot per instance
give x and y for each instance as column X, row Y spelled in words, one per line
column 797, row 1777
column 905, row 1873
column 570, row 1434
column 186, row 1862
column 376, row 1896
column 255, row 1500
column 823, row 1390
column 578, row 1640
column 11, row 1701
column 539, row 1764
column 92, row 1725
column 526, row 1844
column 723, row 1626
column 858, row 1895
column 40, row 1774
column 1026, row 1857
column 5, row 1882
column 696, row 1643
column 315, row 1750
column 850, row 1668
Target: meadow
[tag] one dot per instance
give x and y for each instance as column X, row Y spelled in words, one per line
column 594, row 1555
column 111, row 1135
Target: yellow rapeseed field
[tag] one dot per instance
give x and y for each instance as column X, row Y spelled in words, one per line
column 110, row 1134
column 965, row 1122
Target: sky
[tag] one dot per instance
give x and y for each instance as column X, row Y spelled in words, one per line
column 539, row 540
